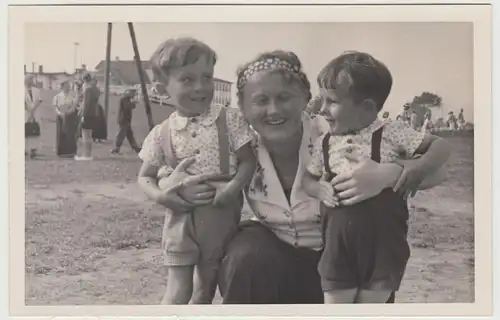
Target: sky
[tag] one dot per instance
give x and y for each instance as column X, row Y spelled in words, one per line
column 423, row 56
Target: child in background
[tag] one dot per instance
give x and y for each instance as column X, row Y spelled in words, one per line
column 366, row 248
column 220, row 141
column 125, row 111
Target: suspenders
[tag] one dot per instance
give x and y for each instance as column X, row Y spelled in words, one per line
column 222, row 133
column 375, row 154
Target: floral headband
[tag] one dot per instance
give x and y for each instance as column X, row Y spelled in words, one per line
column 266, row 64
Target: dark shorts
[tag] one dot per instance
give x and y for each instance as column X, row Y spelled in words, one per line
column 365, row 244
column 89, row 122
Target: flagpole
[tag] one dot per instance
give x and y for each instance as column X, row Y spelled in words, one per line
column 107, row 70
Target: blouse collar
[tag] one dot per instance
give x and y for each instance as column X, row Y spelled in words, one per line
column 206, row 119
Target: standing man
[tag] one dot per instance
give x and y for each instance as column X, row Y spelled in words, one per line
column 127, row 104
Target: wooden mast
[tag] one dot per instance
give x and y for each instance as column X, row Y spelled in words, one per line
column 138, row 63
column 107, row 71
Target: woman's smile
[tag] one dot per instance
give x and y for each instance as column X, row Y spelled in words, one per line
column 274, row 121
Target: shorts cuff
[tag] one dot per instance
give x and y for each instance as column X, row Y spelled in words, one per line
column 382, row 285
column 329, row 285
column 180, row 258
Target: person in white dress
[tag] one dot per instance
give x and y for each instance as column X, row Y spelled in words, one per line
column 32, row 102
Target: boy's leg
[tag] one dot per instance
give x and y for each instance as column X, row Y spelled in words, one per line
column 374, row 296
column 205, row 283
column 179, row 285
column 341, row 296
column 214, row 227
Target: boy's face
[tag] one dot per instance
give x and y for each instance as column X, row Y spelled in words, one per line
column 341, row 112
column 191, row 87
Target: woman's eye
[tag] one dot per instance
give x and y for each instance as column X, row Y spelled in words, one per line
column 260, row 101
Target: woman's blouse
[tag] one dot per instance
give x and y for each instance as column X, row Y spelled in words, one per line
column 296, row 221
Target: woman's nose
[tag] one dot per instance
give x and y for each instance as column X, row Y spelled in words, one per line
column 273, row 107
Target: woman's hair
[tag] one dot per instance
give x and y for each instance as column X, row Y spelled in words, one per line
column 87, row 77
column 368, row 77
column 61, row 85
column 176, row 53
column 288, row 57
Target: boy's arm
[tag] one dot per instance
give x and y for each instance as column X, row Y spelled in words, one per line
column 247, row 163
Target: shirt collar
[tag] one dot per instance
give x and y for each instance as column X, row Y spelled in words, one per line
column 374, row 126
column 206, row 119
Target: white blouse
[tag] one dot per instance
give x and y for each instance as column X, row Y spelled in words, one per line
column 297, row 222
column 63, row 101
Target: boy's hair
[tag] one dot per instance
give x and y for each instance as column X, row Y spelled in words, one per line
column 176, row 53
column 369, row 78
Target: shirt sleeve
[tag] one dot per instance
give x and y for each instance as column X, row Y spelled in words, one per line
column 152, row 148
column 403, row 137
column 315, row 165
column 240, row 132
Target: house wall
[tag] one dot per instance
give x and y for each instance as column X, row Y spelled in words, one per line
column 222, row 93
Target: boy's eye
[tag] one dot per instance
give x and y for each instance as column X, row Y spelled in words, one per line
column 284, row 96
column 186, row 79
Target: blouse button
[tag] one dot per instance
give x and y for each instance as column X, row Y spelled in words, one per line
column 349, row 140
column 193, row 134
column 348, row 150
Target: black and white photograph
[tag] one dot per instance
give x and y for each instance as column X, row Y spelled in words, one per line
column 288, row 162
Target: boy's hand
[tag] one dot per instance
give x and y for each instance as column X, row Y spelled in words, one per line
column 326, row 193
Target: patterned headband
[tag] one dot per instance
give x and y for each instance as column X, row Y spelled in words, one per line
column 266, row 64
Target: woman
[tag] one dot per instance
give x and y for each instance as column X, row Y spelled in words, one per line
column 88, row 114
column 32, row 102
column 65, row 104
column 427, row 126
column 273, row 258
column 100, row 131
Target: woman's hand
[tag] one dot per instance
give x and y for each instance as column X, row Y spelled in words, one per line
column 368, row 180
column 411, row 178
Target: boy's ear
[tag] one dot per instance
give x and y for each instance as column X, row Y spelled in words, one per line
column 369, row 104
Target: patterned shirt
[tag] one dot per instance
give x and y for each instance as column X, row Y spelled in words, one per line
column 197, row 137
column 345, row 151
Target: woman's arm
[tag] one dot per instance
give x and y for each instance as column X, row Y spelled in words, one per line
column 435, row 152
column 247, row 163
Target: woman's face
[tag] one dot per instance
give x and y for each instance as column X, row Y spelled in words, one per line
column 65, row 87
column 273, row 106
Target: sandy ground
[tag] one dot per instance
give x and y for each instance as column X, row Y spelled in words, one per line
column 92, row 237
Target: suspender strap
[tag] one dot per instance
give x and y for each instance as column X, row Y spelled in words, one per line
column 170, row 158
column 376, row 142
column 222, row 132
column 325, row 148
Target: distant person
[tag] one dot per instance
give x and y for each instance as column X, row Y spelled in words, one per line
column 32, row 118
column 414, row 121
column 452, row 121
column 461, row 120
column 127, row 105
column 88, row 112
column 65, row 104
column 428, row 125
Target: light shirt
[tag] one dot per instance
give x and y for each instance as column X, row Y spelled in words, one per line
column 347, row 151
column 64, row 101
column 197, row 137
